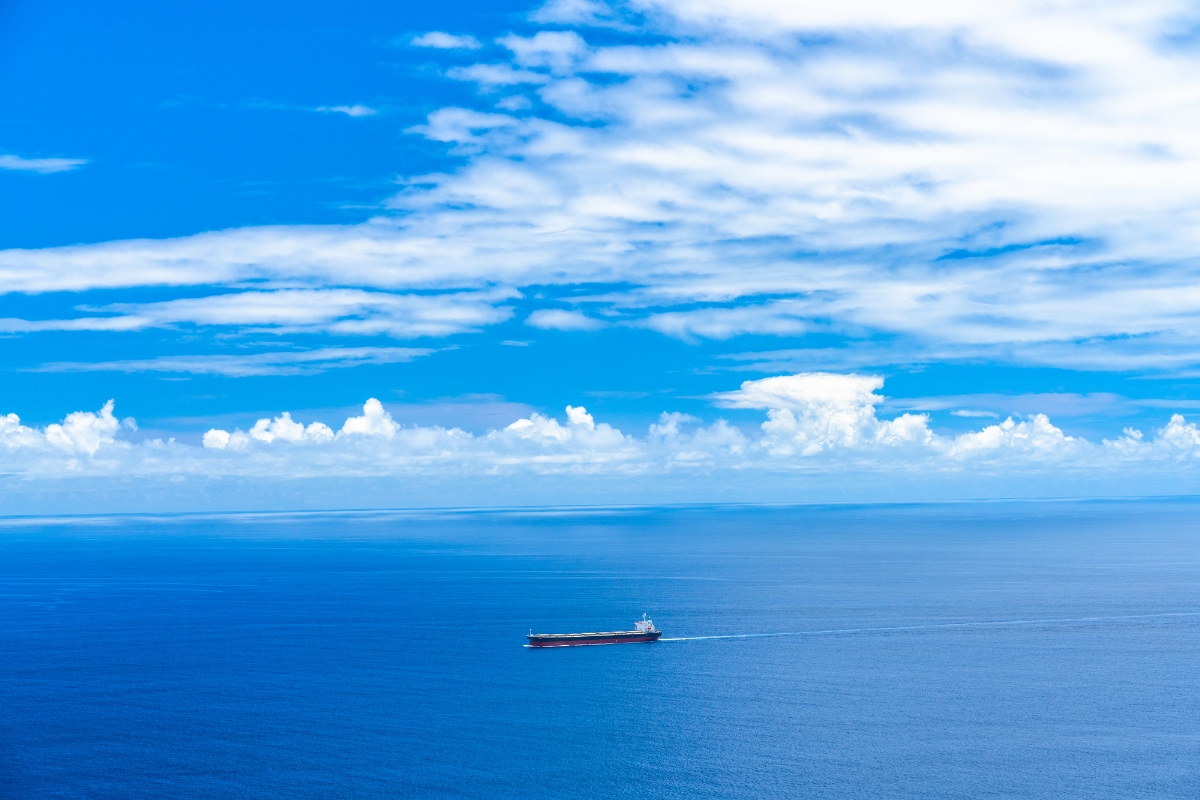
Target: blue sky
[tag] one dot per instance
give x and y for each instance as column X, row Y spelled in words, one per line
column 963, row 239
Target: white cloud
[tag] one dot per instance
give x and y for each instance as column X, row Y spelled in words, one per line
column 373, row 422
column 355, row 110
column 581, row 430
column 669, row 425
column 216, row 439
column 462, row 126
column 818, row 423
column 1035, row 435
column 43, row 166
column 446, row 41
column 558, row 51
column 307, row 362
column 574, row 12
column 811, row 412
column 561, row 320
column 286, row 429
column 1015, row 181
column 804, row 391
column 490, row 75
column 703, row 447
column 80, row 433
column 84, row 431
column 778, row 319
column 1179, row 434
column 338, row 311
column 514, row 102
column 282, row 428
column 13, row 434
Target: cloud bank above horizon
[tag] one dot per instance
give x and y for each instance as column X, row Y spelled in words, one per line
column 816, row 422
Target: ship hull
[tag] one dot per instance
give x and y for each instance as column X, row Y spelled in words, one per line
column 580, row 639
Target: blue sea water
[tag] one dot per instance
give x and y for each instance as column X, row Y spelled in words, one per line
column 977, row 650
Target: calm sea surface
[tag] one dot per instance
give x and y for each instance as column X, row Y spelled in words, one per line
column 996, row 650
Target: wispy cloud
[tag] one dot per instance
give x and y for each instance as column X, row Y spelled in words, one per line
column 781, row 318
column 575, row 12
column 43, row 166
column 350, row 111
column 446, row 41
column 562, row 320
column 1055, row 404
column 490, row 75
column 1013, row 181
column 339, row 311
column 308, row 362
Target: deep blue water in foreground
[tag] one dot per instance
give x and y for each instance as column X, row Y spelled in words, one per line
column 992, row 650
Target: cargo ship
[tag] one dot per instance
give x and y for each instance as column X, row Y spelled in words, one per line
column 643, row 631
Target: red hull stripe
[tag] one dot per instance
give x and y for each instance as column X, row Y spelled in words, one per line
column 596, row 640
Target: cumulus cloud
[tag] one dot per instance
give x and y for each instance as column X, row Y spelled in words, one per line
column 216, row 439
column 80, row 433
column 84, row 431
column 816, row 422
column 803, row 391
column 373, row 422
column 1034, row 435
column 581, row 429
column 808, row 413
column 811, row 412
column 42, row 166
column 282, row 428
column 1177, row 434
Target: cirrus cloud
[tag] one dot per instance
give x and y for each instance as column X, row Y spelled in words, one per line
column 340, row 311
column 562, row 320
column 1015, row 181
column 304, row 362
column 446, row 41
column 42, row 166
column 356, row 110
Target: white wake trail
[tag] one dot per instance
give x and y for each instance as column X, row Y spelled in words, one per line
column 938, row 626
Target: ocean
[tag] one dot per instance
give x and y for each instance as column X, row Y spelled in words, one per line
column 987, row 650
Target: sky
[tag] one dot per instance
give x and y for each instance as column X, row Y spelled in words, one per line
column 288, row 255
